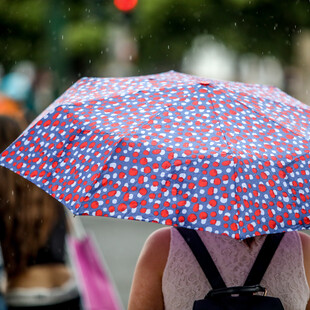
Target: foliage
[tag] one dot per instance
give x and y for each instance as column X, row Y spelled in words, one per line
column 258, row 26
column 50, row 32
column 21, row 29
column 71, row 36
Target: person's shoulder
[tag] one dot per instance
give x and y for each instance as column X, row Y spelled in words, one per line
column 159, row 239
column 156, row 250
column 305, row 243
column 305, row 240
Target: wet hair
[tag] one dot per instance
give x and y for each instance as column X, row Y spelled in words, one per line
column 27, row 213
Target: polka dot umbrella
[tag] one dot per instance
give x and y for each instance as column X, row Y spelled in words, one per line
column 226, row 157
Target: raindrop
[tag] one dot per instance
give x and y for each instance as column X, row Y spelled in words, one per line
column 89, row 61
column 130, row 57
column 168, row 47
column 275, row 27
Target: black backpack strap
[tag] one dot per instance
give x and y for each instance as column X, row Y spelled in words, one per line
column 206, row 263
column 263, row 258
column 203, row 257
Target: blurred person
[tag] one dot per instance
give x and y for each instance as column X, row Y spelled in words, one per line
column 13, row 109
column 18, row 85
column 169, row 277
column 2, row 283
column 43, row 90
column 32, row 234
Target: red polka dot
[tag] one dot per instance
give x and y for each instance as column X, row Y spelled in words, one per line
column 203, row 183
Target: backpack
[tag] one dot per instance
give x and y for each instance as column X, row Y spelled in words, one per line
column 238, row 297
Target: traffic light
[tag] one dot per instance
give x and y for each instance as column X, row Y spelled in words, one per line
column 125, row 5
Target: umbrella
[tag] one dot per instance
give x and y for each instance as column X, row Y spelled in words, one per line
column 226, row 157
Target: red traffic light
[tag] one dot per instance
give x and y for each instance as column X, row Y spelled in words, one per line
column 125, row 5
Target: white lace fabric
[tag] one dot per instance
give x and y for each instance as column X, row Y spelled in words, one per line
column 184, row 281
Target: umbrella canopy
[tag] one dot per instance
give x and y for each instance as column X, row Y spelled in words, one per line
column 226, row 157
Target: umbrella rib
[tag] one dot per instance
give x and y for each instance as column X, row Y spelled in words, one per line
column 234, row 166
column 271, row 119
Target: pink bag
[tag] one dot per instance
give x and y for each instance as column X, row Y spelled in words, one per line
column 95, row 285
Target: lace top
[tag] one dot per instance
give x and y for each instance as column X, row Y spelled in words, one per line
column 184, row 281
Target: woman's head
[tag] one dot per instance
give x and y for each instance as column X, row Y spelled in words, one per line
column 26, row 212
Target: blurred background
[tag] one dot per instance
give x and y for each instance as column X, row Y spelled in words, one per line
column 46, row 45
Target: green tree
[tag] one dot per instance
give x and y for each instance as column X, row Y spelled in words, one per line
column 259, row 26
column 66, row 37
column 70, row 37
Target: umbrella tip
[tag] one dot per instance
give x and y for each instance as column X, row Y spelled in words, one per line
column 204, row 83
